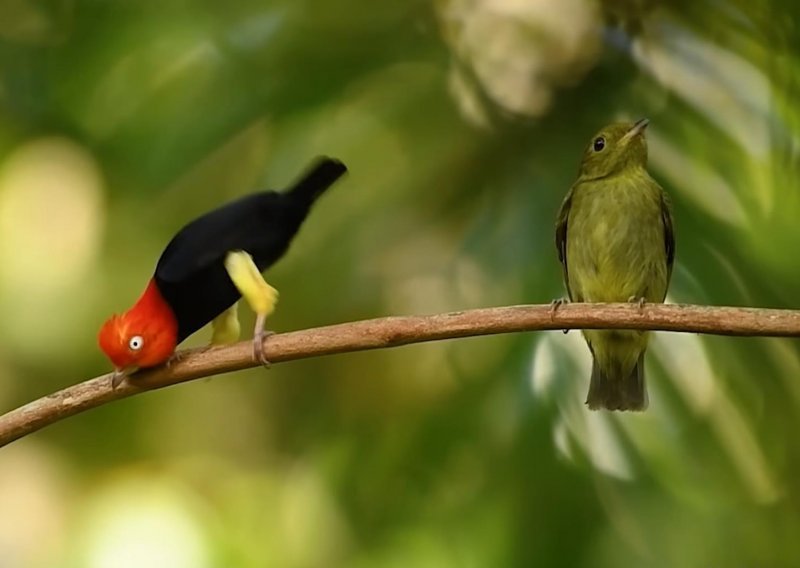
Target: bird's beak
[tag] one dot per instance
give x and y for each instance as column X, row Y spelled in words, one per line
column 120, row 375
column 637, row 128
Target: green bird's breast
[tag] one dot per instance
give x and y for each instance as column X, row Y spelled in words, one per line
column 616, row 241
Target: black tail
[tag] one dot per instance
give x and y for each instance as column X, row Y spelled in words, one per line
column 618, row 392
column 319, row 177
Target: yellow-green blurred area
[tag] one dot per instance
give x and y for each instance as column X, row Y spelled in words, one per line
column 462, row 123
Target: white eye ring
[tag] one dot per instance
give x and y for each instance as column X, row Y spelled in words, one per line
column 136, row 342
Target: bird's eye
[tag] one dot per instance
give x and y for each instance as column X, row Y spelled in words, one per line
column 136, row 342
column 599, row 144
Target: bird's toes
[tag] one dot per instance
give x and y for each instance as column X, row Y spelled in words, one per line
column 554, row 305
column 640, row 301
column 258, row 348
column 175, row 358
column 557, row 303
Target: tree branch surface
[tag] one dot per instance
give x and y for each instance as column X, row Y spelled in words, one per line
column 393, row 332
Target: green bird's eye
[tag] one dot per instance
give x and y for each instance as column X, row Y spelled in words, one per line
column 599, row 144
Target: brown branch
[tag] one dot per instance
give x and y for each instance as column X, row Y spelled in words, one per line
column 395, row 331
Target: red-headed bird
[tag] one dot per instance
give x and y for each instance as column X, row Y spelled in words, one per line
column 211, row 263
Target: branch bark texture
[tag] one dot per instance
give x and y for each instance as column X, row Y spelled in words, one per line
column 395, row 331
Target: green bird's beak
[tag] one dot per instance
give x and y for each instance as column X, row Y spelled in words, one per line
column 637, row 128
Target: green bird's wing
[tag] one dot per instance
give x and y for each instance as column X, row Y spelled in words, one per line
column 669, row 233
column 561, row 237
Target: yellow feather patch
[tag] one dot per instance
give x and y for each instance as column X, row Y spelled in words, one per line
column 226, row 326
column 244, row 273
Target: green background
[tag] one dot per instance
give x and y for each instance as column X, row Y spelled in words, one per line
column 462, row 123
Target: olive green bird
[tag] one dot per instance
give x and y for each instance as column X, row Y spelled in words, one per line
column 616, row 244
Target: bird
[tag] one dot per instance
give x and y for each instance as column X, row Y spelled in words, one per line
column 207, row 267
column 616, row 243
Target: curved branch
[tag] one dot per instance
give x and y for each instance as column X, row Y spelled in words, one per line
column 395, row 331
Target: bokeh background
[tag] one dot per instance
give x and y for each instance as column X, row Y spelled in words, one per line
column 462, row 123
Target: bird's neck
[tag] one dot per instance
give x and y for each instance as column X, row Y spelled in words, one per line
column 628, row 171
column 154, row 309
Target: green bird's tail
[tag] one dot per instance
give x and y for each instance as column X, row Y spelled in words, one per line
column 616, row 391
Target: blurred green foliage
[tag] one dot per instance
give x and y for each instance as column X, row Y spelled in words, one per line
column 462, row 123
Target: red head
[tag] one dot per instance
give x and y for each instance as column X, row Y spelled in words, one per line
column 144, row 336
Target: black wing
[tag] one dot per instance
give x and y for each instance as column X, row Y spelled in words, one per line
column 561, row 237
column 255, row 223
column 669, row 233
